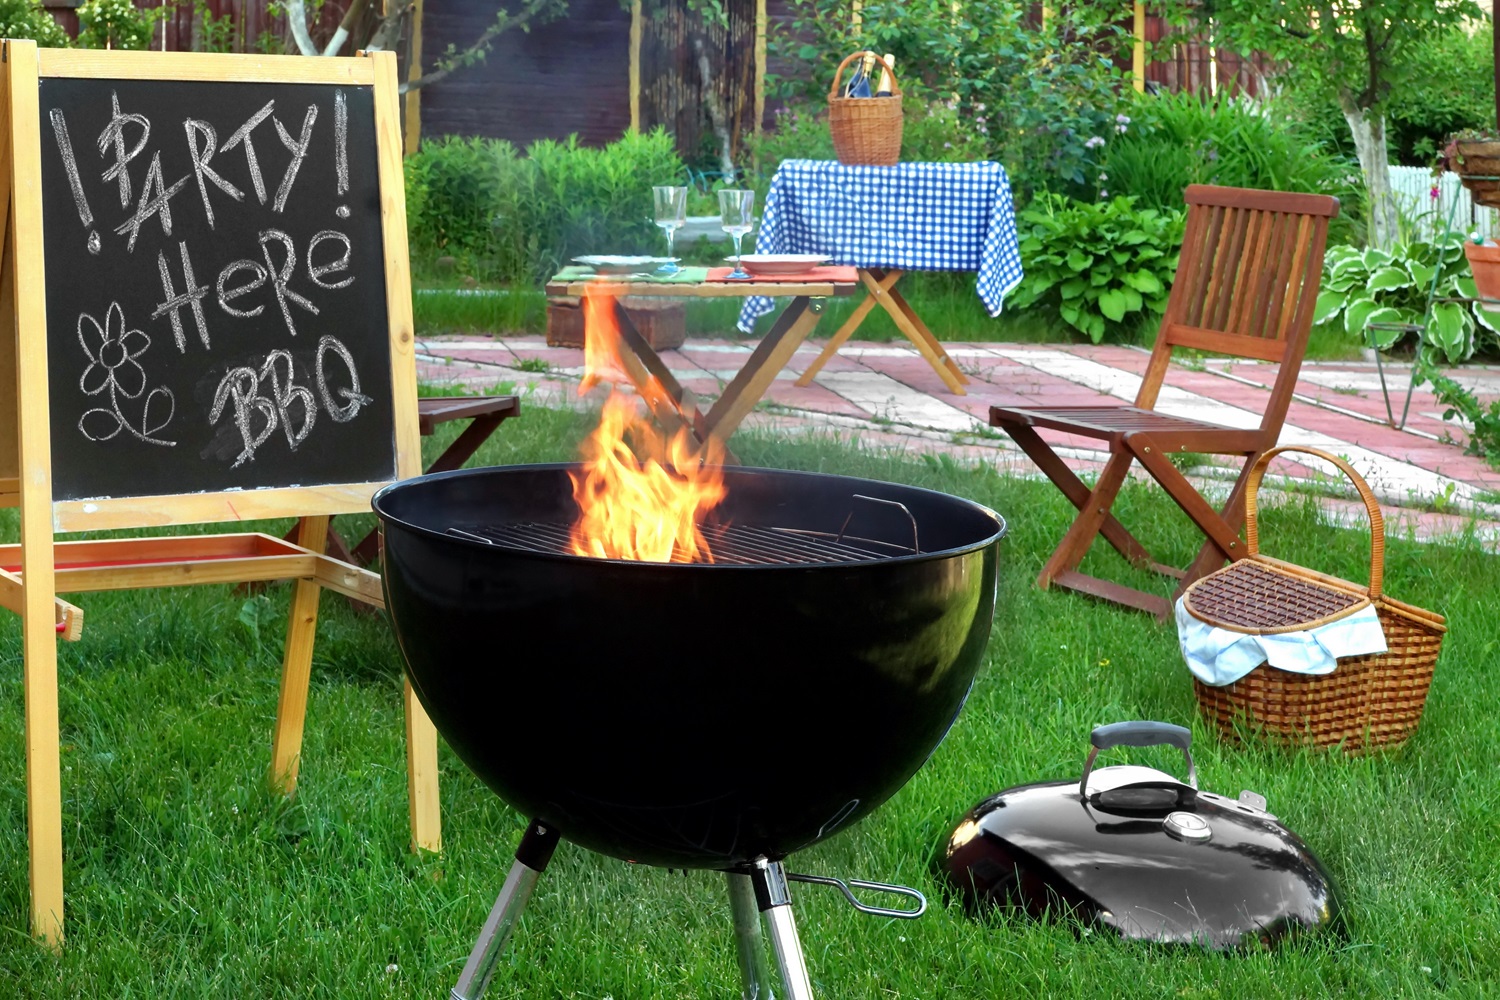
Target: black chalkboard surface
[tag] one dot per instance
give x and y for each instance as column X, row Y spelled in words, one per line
column 215, row 287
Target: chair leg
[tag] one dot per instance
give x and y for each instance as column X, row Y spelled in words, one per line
column 1211, row 557
column 1210, row 521
column 1076, row 491
column 1090, row 520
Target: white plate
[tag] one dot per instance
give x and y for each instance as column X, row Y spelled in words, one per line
column 781, row 263
column 615, row 264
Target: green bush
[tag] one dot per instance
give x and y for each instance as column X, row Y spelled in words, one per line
column 1031, row 95
column 117, row 24
column 512, row 218
column 454, row 186
column 1174, row 140
column 1104, row 266
column 1393, row 286
column 27, row 19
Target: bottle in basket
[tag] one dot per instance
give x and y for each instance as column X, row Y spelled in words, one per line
column 885, row 76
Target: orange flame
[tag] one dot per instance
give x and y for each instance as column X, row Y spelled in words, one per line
column 640, row 496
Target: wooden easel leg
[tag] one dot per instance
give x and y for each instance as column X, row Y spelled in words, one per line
column 422, row 775
column 843, row 334
column 296, row 668
column 43, row 781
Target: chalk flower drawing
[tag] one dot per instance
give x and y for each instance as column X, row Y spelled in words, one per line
column 113, row 370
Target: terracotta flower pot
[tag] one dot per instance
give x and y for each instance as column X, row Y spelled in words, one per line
column 1484, row 261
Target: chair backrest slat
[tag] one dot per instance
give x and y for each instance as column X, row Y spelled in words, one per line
column 1246, row 284
column 1218, row 342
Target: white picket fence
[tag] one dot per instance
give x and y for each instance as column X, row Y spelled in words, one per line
column 1423, row 217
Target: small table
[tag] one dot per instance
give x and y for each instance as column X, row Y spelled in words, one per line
column 674, row 407
column 889, row 220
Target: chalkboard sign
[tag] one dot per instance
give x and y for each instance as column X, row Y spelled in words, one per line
column 216, row 300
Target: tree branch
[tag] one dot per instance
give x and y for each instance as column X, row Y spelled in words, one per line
column 296, row 19
column 452, row 60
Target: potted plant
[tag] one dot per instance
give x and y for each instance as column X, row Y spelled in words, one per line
column 1484, row 261
column 1474, row 155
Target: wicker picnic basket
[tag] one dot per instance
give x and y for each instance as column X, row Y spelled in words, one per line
column 866, row 130
column 1367, row 702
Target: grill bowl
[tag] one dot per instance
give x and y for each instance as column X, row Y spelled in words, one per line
column 689, row 715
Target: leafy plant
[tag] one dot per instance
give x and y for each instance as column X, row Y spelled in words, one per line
column 1179, row 139
column 513, row 218
column 1484, row 437
column 1033, row 94
column 28, row 19
column 1392, row 288
column 1099, row 262
column 117, row 24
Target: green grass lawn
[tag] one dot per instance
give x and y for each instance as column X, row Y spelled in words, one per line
column 186, row 878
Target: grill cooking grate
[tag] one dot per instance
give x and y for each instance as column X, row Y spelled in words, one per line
column 730, row 544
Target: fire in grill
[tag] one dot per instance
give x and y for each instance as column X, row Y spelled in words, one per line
column 730, row 544
column 689, row 715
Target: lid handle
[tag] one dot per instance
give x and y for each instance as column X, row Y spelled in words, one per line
column 1138, row 733
column 1141, row 733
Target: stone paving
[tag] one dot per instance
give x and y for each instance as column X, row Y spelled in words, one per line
column 885, row 395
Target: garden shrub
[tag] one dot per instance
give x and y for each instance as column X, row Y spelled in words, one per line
column 454, row 187
column 117, row 24
column 1392, row 286
column 27, row 19
column 507, row 217
column 1032, row 95
column 1104, row 266
column 1174, row 140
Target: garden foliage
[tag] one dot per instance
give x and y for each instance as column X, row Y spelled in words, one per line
column 1174, row 140
column 1103, row 265
column 1361, row 287
column 27, row 19
column 504, row 216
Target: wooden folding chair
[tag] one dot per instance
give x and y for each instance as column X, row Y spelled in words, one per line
column 1245, row 287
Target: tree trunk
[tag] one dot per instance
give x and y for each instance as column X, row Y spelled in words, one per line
column 716, row 114
column 1375, row 161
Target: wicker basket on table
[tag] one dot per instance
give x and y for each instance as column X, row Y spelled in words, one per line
column 1368, row 702
column 866, row 130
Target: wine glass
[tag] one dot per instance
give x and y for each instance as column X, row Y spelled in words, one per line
column 735, row 219
column 671, row 214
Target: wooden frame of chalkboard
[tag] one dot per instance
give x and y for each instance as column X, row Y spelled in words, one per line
column 204, row 266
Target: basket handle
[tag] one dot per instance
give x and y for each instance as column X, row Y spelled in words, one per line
column 834, row 90
column 1372, row 508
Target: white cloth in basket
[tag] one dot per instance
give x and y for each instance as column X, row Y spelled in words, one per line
column 1218, row 656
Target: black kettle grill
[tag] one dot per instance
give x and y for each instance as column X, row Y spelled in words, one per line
column 1136, row 851
column 690, row 715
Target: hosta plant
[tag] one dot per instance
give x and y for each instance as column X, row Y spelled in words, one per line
column 1392, row 288
column 1097, row 263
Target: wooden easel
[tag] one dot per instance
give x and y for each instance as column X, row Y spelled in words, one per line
column 36, row 568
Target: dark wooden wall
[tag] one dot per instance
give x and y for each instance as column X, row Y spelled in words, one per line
column 569, row 76
column 1191, row 65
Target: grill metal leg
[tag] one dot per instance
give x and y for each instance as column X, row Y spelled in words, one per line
column 531, row 860
column 774, row 900
column 755, row 975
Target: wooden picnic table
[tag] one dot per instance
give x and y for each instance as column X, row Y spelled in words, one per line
column 674, row 407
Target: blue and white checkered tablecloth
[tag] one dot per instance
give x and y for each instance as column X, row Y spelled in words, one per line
column 913, row 216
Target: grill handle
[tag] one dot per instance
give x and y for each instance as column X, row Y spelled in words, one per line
column 876, row 911
column 888, row 503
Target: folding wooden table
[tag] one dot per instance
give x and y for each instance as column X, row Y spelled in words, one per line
column 671, row 405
